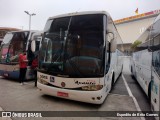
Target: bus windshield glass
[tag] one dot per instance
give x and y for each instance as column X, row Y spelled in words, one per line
column 13, row 44
column 74, row 46
column 7, row 38
column 5, row 46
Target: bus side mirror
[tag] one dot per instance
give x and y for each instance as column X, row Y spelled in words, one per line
column 112, row 39
column 113, row 45
column 33, row 46
column 110, row 35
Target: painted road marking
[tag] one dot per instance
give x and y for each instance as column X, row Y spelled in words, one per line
column 130, row 94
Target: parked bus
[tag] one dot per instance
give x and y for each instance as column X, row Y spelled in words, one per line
column 80, row 57
column 145, row 63
column 13, row 44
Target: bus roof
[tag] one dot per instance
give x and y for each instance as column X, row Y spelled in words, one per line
column 9, row 29
column 157, row 18
column 80, row 13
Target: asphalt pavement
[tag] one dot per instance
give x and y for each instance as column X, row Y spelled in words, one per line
column 15, row 97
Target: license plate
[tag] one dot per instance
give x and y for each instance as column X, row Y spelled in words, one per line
column 6, row 74
column 62, row 94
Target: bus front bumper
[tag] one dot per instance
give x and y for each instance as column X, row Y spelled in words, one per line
column 95, row 97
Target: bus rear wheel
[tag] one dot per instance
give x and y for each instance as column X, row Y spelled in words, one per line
column 149, row 92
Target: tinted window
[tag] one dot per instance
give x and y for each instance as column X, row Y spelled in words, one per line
column 47, row 26
column 59, row 25
column 18, row 43
column 87, row 23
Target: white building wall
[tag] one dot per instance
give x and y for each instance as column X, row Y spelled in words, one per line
column 130, row 31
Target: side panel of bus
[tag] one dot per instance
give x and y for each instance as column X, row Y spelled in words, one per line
column 145, row 64
column 142, row 67
column 116, row 61
column 155, row 86
column 155, row 92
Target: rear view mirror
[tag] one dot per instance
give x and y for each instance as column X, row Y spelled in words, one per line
column 33, row 46
column 112, row 39
column 75, row 39
column 110, row 36
column 79, row 43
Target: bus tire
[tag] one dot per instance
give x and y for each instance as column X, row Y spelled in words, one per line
column 149, row 92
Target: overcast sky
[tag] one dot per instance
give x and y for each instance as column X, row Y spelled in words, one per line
column 12, row 11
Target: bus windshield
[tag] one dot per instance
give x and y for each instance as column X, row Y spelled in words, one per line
column 74, row 46
column 7, row 38
column 13, row 44
column 5, row 46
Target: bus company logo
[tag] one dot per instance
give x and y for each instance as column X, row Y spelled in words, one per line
column 52, row 79
column 43, row 77
column 85, row 83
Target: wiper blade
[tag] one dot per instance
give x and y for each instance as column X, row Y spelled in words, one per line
column 51, row 35
column 56, row 67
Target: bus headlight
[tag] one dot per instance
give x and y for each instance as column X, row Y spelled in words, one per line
column 92, row 87
column 42, row 81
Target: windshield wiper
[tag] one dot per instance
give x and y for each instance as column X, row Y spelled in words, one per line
column 52, row 67
column 48, row 35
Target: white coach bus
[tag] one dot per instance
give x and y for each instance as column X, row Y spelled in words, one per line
column 80, row 57
column 145, row 63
